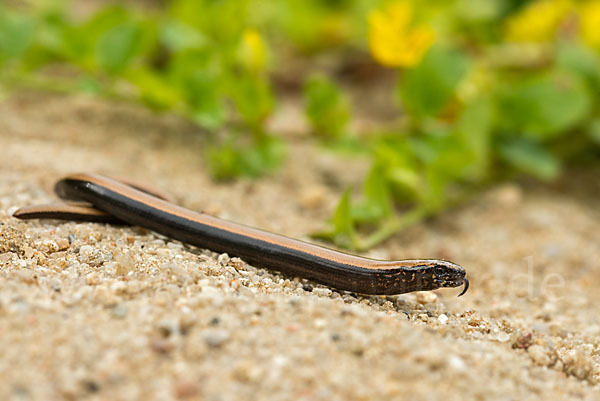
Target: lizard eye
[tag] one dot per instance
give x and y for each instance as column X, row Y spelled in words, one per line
column 439, row 271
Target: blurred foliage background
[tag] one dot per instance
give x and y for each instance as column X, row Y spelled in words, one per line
column 479, row 90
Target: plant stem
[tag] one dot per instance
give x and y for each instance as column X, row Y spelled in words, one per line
column 392, row 226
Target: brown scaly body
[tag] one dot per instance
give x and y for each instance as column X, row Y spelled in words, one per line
column 118, row 201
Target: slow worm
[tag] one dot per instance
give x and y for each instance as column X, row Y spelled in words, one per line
column 114, row 201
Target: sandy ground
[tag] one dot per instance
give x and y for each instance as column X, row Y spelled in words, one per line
column 89, row 311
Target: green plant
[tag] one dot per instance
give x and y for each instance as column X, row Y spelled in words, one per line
column 189, row 59
column 326, row 108
column 472, row 117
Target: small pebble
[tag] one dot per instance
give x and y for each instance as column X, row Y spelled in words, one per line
column 313, row 197
column 119, row 311
column 92, row 278
column 501, row 337
column 86, row 252
column 322, row 292
column 525, row 341
column 539, row 355
column 216, row 338
column 118, row 287
column 185, row 389
column 62, row 244
column 426, row 297
column 508, row 195
column 320, row 323
column 28, row 251
column 162, row 346
column 125, row 263
column 105, row 296
column 163, row 253
column 456, row 363
column 423, row 317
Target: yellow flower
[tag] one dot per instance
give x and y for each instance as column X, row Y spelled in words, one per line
column 538, row 21
column 590, row 23
column 393, row 41
column 253, row 52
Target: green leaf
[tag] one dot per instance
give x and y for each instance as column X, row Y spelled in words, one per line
column 342, row 217
column 474, row 127
column 79, row 44
column 118, row 46
column 448, row 161
column 594, row 130
column 178, row 36
column 52, row 33
column 478, row 11
column 326, row 108
column 544, row 107
column 433, row 197
column 154, row 90
column 224, row 161
column 198, row 77
column 530, row 158
column 580, row 60
column 220, row 21
column 16, row 35
column 342, row 231
column 398, row 161
column 407, row 182
column 233, row 159
column 426, row 89
column 59, row 38
column 89, row 84
column 253, row 99
column 377, row 202
column 266, row 155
